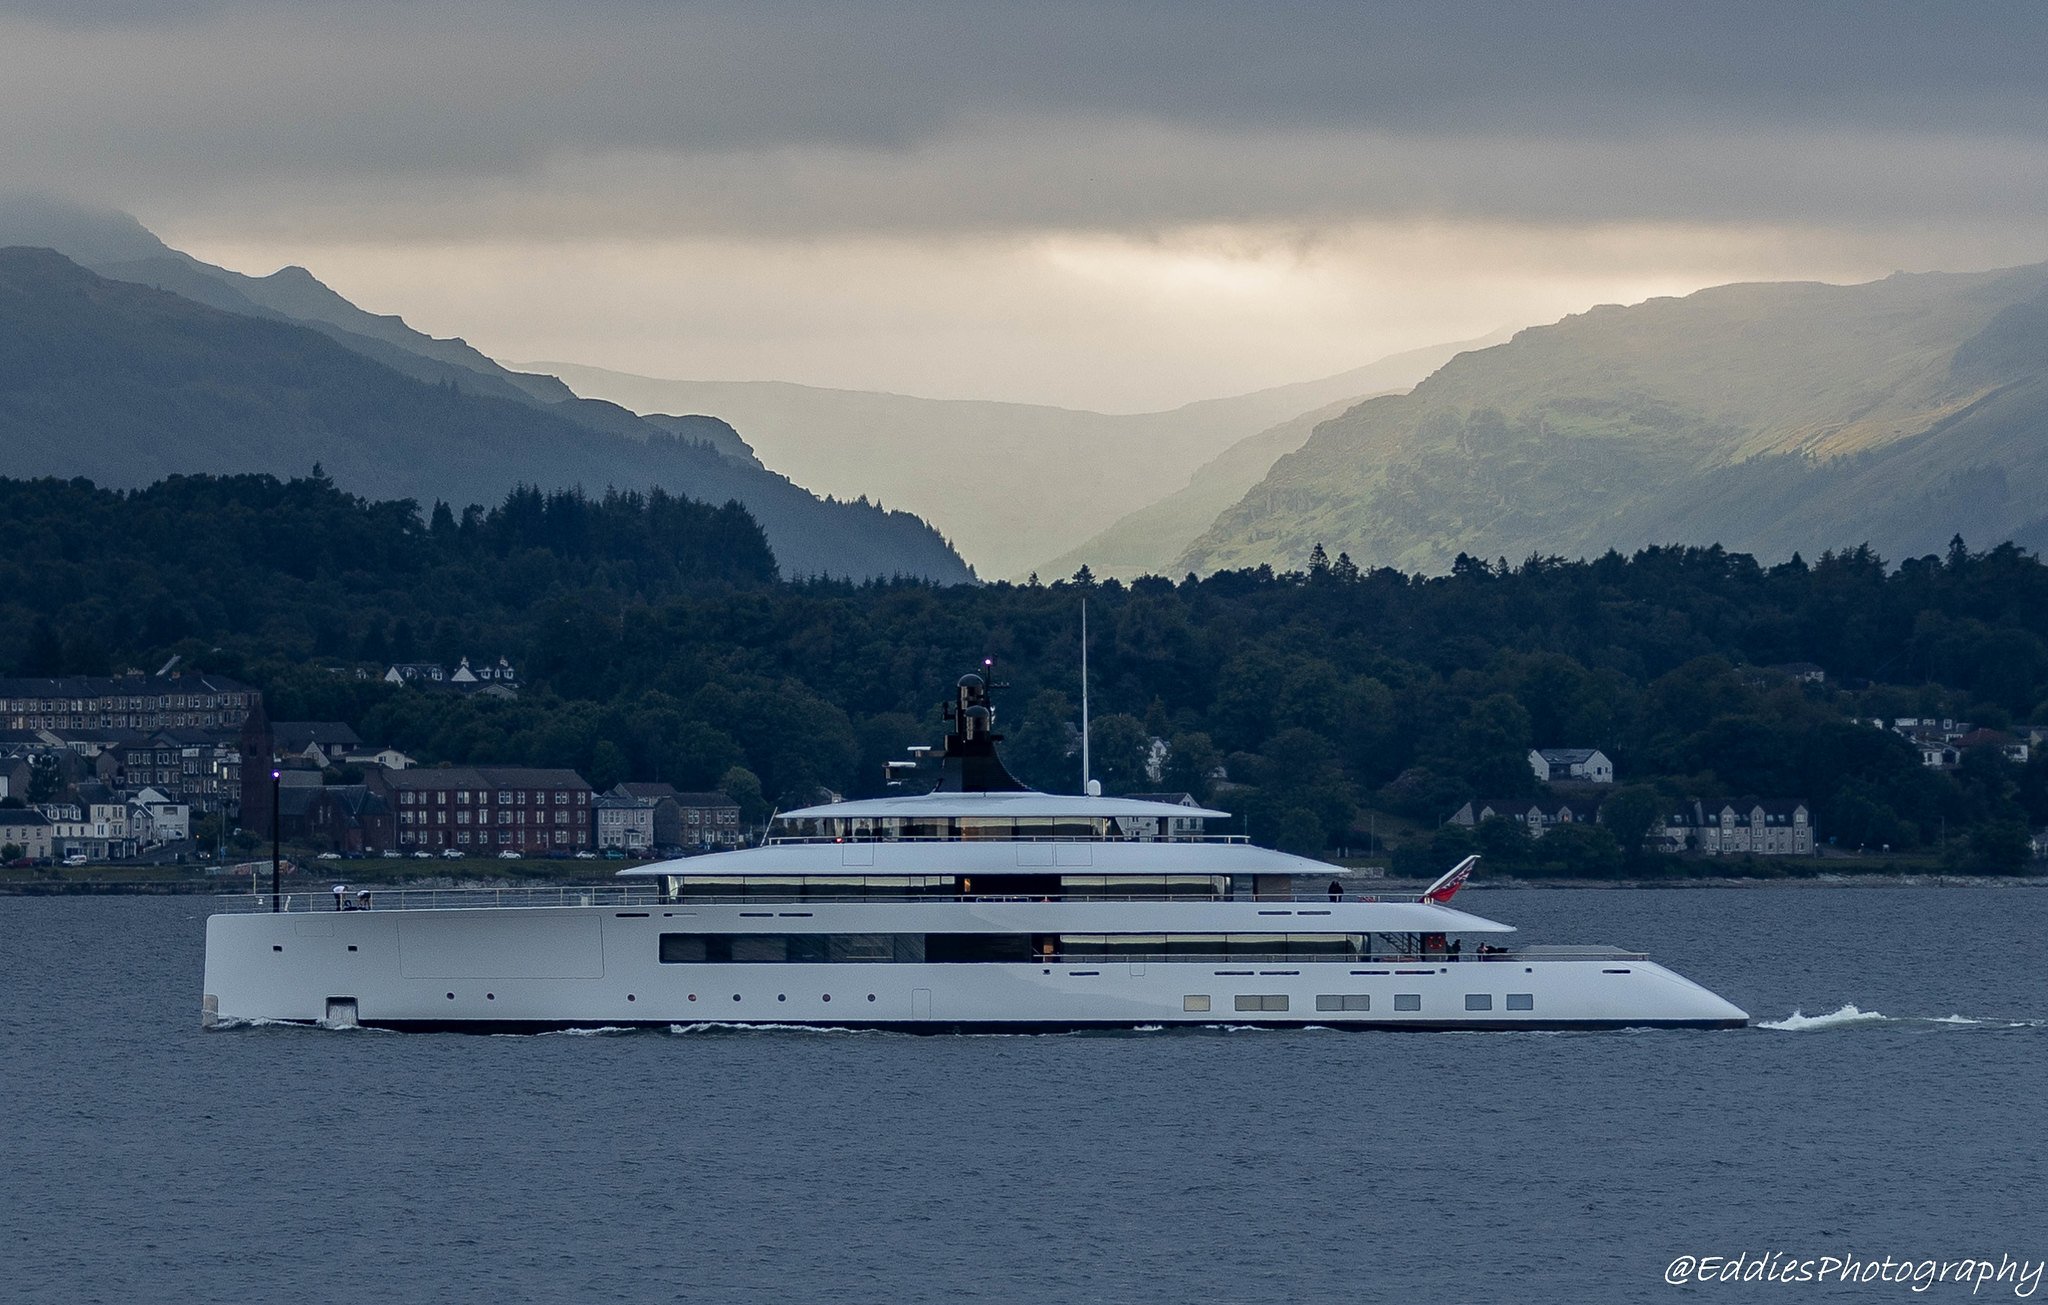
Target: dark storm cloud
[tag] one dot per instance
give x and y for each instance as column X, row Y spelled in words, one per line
column 834, row 117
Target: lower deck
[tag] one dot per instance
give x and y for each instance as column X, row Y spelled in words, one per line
column 510, row 971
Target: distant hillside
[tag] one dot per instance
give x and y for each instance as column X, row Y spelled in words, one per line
column 120, row 248
column 129, row 384
column 1769, row 418
column 1011, row 484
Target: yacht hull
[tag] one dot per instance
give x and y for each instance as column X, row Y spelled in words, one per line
column 538, row 969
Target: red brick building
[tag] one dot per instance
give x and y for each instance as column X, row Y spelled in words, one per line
column 482, row 810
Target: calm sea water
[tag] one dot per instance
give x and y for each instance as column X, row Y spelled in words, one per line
column 148, row 1161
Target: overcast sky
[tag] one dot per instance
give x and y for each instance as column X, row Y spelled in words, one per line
column 1115, row 206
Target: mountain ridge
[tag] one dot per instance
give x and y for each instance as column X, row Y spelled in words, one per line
column 127, row 384
column 1627, row 426
column 1085, row 470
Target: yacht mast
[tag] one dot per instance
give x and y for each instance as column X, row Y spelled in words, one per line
column 1087, row 781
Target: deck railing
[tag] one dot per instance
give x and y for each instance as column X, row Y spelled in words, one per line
column 648, row 893
column 869, row 840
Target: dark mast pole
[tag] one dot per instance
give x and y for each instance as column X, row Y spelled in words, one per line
column 275, row 776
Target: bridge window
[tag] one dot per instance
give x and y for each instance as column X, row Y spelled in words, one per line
column 1344, row 1001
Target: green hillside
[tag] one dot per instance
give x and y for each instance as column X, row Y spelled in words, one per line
column 1770, row 418
column 130, row 385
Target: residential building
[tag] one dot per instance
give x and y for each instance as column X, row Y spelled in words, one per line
column 1146, row 828
column 1571, row 765
column 484, row 809
column 1746, row 826
column 1537, row 815
column 625, row 822
column 2011, row 747
column 692, row 822
column 710, row 821
column 28, row 829
column 323, row 742
column 131, row 702
column 499, row 678
column 155, row 818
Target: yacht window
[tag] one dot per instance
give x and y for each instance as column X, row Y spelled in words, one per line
column 1521, row 1001
column 1478, row 1001
column 1195, row 1001
column 1344, row 1001
column 861, row 947
column 1407, row 1001
column 1262, row 1001
column 954, row 948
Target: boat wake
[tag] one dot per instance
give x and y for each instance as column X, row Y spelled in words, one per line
column 714, row 1026
column 1850, row 1015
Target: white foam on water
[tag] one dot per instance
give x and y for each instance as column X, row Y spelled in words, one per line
column 716, row 1026
column 1798, row 1021
column 599, row 1032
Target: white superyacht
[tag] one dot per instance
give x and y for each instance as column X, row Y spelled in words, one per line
column 980, row 906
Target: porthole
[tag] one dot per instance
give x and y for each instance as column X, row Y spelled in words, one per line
column 828, row 996
column 782, row 996
column 735, row 996
column 693, row 996
column 276, row 948
column 871, row 996
column 629, row 996
column 451, row 996
column 490, row 996
column 351, row 946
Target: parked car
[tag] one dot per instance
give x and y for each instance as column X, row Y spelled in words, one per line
column 508, row 855
column 614, row 854
column 450, row 854
column 328, row 856
column 391, row 856
column 20, row 863
column 76, row 858
column 586, row 856
column 423, row 855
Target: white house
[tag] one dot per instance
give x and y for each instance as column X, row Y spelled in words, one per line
column 154, row 818
column 1146, row 828
column 1574, row 765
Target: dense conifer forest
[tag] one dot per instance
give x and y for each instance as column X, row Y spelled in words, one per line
column 1329, row 705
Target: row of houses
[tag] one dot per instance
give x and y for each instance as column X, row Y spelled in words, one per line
column 498, row 679
column 97, row 823
column 1745, row 826
column 1943, row 741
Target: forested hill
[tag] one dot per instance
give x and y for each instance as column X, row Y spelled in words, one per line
column 1768, row 418
column 653, row 646
column 129, row 384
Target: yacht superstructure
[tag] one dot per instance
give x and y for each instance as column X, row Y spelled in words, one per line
column 979, row 906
